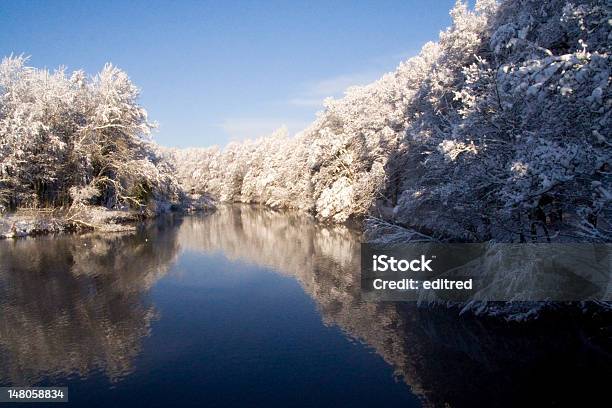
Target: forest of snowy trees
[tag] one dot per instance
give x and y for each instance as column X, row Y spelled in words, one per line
column 70, row 140
column 499, row 131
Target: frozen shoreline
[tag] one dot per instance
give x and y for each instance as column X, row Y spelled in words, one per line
column 23, row 223
column 32, row 222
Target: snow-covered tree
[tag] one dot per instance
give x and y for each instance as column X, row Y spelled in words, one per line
column 525, row 154
column 500, row 130
column 71, row 139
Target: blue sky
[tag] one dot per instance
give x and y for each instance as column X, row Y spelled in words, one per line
column 211, row 72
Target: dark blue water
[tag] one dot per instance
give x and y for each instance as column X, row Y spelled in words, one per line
column 249, row 307
column 196, row 311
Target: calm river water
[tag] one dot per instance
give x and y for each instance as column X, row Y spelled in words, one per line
column 250, row 307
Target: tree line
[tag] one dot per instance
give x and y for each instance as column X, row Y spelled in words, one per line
column 498, row 131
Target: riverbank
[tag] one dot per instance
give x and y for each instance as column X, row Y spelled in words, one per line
column 32, row 222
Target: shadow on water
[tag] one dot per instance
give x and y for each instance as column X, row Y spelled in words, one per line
column 84, row 299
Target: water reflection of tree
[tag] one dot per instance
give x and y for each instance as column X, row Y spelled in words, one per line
column 447, row 359
column 72, row 305
column 75, row 305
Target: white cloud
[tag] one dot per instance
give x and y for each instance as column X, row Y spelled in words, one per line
column 337, row 85
column 310, row 102
column 250, row 128
column 398, row 57
column 313, row 93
